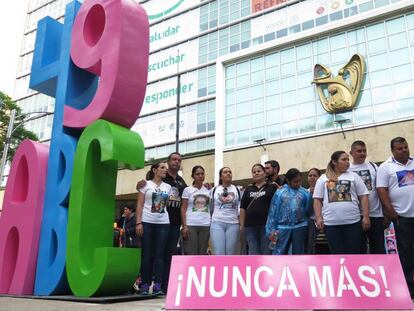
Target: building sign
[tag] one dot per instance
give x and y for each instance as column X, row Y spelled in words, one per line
column 162, row 95
column 175, row 59
column 288, row 282
column 158, row 9
column 260, row 5
column 174, row 30
column 340, row 93
column 298, row 13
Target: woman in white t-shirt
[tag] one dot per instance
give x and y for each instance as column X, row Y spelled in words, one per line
column 152, row 225
column 338, row 196
column 195, row 215
column 225, row 228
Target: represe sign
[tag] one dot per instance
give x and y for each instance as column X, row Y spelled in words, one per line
column 288, row 282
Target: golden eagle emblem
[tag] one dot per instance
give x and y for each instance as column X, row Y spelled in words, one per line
column 340, row 93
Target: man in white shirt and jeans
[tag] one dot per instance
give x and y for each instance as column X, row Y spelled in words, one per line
column 368, row 172
column 395, row 186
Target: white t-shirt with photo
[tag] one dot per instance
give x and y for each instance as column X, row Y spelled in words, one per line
column 340, row 204
column 155, row 204
column 399, row 179
column 198, row 209
column 226, row 204
column 368, row 174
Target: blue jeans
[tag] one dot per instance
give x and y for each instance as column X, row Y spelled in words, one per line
column 170, row 250
column 297, row 238
column 224, row 237
column 257, row 240
column 404, row 231
column 154, row 242
column 344, row 239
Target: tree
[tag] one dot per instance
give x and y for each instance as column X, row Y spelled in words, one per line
column 20, row 133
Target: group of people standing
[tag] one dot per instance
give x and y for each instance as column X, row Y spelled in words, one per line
column 352, row 203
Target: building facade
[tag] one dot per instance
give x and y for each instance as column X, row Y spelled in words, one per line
column 243, row 72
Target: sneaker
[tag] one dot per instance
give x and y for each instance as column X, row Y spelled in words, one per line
column 137, row 284
column 156, row 289
column 144, row 289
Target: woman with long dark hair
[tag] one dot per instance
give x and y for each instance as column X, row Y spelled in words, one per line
column 338, row 196
column 225, row 229
column 195, row 215
column 152, row 225
column 254, row 209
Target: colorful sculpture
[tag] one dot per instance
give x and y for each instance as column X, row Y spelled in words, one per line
column 116, row 48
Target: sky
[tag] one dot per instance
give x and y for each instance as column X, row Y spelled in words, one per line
column 12, row 20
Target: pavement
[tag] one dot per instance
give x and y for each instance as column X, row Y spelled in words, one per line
column 26, row 304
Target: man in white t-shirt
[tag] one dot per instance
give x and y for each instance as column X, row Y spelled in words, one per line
column 368, row 173
column 395, row 186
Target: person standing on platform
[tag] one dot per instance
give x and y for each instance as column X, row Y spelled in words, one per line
column 272, row 169
column 337, row 197
column 195, row 215
column 395, row 186
column 254, row 209
column 368, row 173
column 313, row 175
column 287, row 223
column 178, row 185
column 152, row 225
column 225, row 228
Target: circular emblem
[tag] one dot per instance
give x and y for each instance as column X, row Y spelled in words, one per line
column 167, row 11
column 320, row 10
column 335, row 5
column 349, row 2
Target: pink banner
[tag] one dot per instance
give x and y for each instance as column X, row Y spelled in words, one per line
column 288, row 282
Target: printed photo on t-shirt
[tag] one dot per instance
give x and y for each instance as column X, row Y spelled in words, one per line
column 405, row 178
column 159, row 202
column 366, row 177
column 200, row 203
column 174, row 199
column 227, row 199
column 339, row 191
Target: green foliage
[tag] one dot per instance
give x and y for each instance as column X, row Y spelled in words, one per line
column 20, row 133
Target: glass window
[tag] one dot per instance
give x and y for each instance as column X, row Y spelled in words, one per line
column 242, row 137
column 335, row 16
column 258, row 133
column 325, row 122
column 289, row 113
column 399, row 57
column 287, row 56
column 339, row 56
column 397, row 41
column 366, row 6
column 378, row 62
column 321, row 20
column 243, row 68
column 381, row 77
column 288, row 83
column 304, row 64
column 308, row 25
column 376, row 31
column 307, row 125
column 243, row 109
column 376, row 46
column 380, row 3
column 401, row 73
column 256, row 91
column 257, row 119
column 273, row 116
column 383, row 112
column 273, row 131
column 272, row 87
column 272, row 73
column 338, row 41
column 395, row 25
column 290, row 128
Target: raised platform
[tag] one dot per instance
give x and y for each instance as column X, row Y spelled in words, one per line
column 104, row 299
